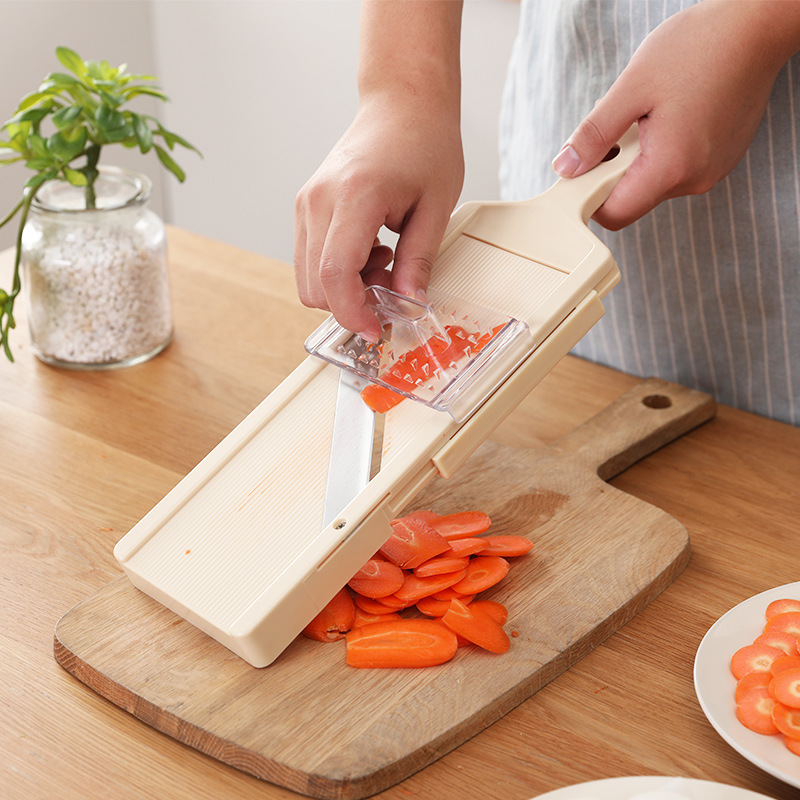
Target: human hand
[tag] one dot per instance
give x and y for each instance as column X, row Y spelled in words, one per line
column 698, row 86
column 399, row 165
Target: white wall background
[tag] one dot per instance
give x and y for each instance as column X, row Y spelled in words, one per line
column 264, row 88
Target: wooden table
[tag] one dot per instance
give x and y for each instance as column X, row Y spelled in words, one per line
column 86, row 454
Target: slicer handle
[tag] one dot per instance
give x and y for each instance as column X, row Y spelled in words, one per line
column 586, row 193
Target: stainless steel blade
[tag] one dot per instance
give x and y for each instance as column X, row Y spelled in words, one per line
column 351, row 446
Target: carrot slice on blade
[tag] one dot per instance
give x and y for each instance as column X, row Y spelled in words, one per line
column 408, row 643
column 785, row 687
column 482, row 573
column 753, row 658
column 334, row 620
column 377, row 578
column 477, row 625
column 412, row 542
column 506, row 545
column 462, row 524
column 754, row 711
column 426, row 515
column 379, row 398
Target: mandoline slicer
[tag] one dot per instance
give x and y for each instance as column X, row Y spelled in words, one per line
column 238, row 548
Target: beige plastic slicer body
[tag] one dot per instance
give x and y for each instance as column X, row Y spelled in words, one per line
column 238, row 547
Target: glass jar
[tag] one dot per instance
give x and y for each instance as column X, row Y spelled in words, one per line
column 95, row 279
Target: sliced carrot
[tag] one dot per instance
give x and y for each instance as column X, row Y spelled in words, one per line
column 506, row 545
column 407, row 643
column 425, row 514
column 363, row 618
column 786, row 621
column 450, row 594
column 379, row 398
column 785, row 687
column 394, row 602
column 781, row 607
column 377, row 578
column 335, row 619
column 414, row 588
column 497, row 611
column 468, row 546
column 751, row 681
column 462, row 524
column 432, row 607
column 482, row 573
column 438, row 565
column 792, row 744
column 412, row 542
column 754, row 710
column 783, row 664
column 477, row 625
column 753, row 658
column 783, row 641
column 370, row 606
column 787, row 720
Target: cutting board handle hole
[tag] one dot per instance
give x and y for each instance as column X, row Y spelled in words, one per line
column 657, row 401
column 612, row 153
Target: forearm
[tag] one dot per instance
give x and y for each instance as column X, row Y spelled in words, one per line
column 410, row 52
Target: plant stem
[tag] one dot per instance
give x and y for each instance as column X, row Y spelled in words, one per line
column 92, row 157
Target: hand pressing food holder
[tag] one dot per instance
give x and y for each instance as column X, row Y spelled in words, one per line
column 239, row 547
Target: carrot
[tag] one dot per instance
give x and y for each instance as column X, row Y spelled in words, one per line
column 370, row 606
column 784, row 663
column 506, row 545
column 792, row 744
column 468, row 546
column 786, row 622
column 787, row 720
column 407, row 643
column 432, row 607
column 751, row 681
column 482, row 573
column 438, row 565
column 414, row 588
column 497, row 611
column 379, row 398
column 450, row 594
column 753, row 658
column 426, row 515
column 781, row 606
column 335, row 619
column 363, row 618
column 783, row 641
column 377, row 578
column 754, row 711
column 412, row 542
column 477, row 625
column 785, row 687
column 462, row 524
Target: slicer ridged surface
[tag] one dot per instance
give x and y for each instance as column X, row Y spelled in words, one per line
column 218, row 552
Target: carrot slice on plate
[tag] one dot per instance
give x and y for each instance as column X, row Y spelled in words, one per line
column 785, row 687
column 787, row 720
column 754, row 710
column 783, row 664
column 787, row 622
column 407, row 643
column 412, row 542
column 335, row 619
column 783, row 641
column 782, row 606
column 377, row 578
column 753, row 658
column 751, row 681
column 482, row 573
column 477, row 625
column 506, row 545
column 792, row 744
column 462, row 524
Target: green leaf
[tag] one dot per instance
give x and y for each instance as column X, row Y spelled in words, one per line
column 134, row 91
column 71, row 60
column 40, row 163
column 66, row 149
column 166, row 159
column 35, row 181
column 113, row 100
column 39, row 145
column 74, row 177
column 57, row 79
column 64, row 117
column 31, row 115
column 112, row 124
column 144, row 136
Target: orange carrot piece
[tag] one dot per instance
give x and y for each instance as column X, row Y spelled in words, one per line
column 363, row 618
column 783, row 664
column 335, row 619
column 751, row 681
column 783, row 641
column 370, row 606
column 450, row 594
column 753, row 658
column 482, row 573
column 425, row 514
column 477, row 625
column 377, row 578
column 414, row 588
column 396, row 603
column 462, row 524
column 468, row 546
column 781, row 607
column 497, row 611
column 407, row 643
column 792, row 744
column 787, row 622
column 379, row 398
column 412, row 542
column 506, row 545
column 438, row 565
column 754, row 711
column 787, row 720
column 785, row 687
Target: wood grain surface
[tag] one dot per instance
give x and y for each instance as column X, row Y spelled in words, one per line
column 85, row 455
column 316, row 726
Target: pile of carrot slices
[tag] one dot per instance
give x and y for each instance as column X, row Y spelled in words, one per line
column 413, row 604
column 768, row 676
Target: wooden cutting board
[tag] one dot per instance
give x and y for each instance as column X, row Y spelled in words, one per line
column 310, row 723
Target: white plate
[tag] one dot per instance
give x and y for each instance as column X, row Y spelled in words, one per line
column 629, row 788
column 715, row 684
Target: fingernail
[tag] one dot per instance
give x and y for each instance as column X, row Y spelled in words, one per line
column 369, row 336
column 567, row 162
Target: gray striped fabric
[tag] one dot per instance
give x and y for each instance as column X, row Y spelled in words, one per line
column 710, row 291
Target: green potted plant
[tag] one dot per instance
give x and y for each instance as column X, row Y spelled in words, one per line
column 92, row 254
